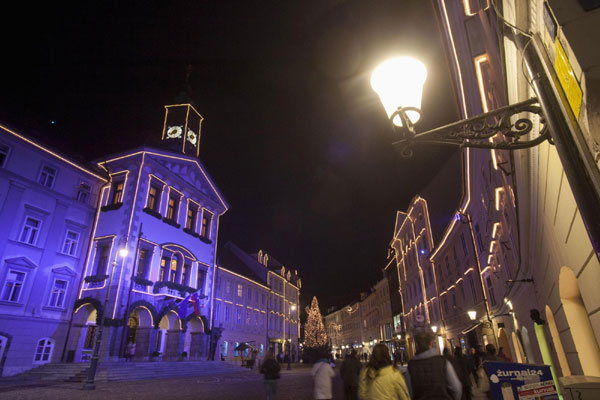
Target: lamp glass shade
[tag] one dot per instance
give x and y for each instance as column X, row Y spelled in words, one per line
column 123, row 252
column 434, row 328
column 472, row 315
column 399, row 83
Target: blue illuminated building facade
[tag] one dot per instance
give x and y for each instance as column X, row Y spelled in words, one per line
column 47, row 208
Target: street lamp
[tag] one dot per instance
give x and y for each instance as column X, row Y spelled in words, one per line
column 558, row 124
column 89, row 383
column 290, row 309
column 472, row 314
column 434, row 328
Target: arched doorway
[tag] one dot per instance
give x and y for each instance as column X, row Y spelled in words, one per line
column 139, row 327
column 167, row 341
column 579, row 323
column 81, row 341
column 504, row 343
column 560, row 352
column 194, row 338
column 527, row 344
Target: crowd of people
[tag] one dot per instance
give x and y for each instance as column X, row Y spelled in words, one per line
column 428, row 375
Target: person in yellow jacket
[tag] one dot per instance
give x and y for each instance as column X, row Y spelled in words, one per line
column 381, row 380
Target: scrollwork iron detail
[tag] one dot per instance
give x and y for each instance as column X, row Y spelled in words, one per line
column 492, row 130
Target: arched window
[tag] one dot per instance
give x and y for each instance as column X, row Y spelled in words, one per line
column 43, row 351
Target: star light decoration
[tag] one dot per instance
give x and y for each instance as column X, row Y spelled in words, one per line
column 314, row 330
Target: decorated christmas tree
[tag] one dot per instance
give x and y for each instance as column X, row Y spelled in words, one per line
column 315, row 336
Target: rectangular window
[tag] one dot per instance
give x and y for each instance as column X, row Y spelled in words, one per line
column 190, row 221
column 90, row 337
column 30, row 231
column 3, row 154
column 47, row 176
column 173, row 270
column 218, row 284
column 142, row 266
column 185, row 274
column 249, row 293
column 240, row 290
column 163, row 269
column 217, row 307
column 200, row 280
column 227, row 313
column 102, row 251
column 479, row 239
column 117, row 192
column 153, row 198
column 464, row 244
column 206, row 221
column 13, row 285
column 59, row 290
column 228, row 286
column 247, row 318
column 238, row 316
column 83, row 193
column 70, row 244
column 473, row 292
column 172, row 208
column 263, row 299
column 488, row 282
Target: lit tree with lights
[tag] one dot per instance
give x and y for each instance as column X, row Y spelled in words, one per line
column 315, row 336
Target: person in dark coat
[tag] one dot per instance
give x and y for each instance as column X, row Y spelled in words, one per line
column 461, row 365
column 270, row 369
column 431, row 376
column 350, row 370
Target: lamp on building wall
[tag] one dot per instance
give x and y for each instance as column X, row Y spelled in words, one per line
column 472, row 314
column 434, row 328
column 89, row 383
column 290, row 309
column 399, row 84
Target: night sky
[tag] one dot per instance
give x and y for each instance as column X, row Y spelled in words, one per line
column 293, row 136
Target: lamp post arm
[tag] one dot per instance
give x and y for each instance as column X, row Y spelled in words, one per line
column 476, row 131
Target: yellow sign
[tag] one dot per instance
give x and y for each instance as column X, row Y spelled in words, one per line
column 567, row 79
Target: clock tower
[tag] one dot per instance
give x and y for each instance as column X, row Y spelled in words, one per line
column 181, row 130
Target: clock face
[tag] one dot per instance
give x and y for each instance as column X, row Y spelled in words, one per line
column 192, row 137
column 174, row 132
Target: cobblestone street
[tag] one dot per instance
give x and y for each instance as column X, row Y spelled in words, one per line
column 295, row 384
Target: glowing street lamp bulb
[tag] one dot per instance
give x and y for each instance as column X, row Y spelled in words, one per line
column 399, row 83
column 434, row 328
column 123, row 252
column 293, row 307
column 472, row 315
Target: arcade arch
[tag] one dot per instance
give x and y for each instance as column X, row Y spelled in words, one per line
column 560, row 352
column 579, row 323
column 168, row 338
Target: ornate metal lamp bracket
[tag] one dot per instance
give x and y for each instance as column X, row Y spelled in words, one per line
column 477, row 131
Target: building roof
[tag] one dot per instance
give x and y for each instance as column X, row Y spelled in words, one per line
column 236, row 260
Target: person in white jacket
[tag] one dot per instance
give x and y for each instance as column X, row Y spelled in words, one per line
column 322, row 374
column 381, row 380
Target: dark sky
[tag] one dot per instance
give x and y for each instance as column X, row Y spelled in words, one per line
column 292, row 135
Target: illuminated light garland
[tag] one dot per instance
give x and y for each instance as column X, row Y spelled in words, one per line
column 498, row 190
column 71, row 163
column 495, row 228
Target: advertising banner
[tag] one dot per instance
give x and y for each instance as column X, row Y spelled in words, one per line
column 512, row 381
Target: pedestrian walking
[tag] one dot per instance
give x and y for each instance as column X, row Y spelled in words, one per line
column 461, row 366
column 270, row 369
column 350, row 370
column 380, row 379
column 322, row 374
column 431, row 376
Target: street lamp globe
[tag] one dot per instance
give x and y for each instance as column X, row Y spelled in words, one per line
column 434, row 328
column 399, row 83
column 472, row 315
column 123, row 252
